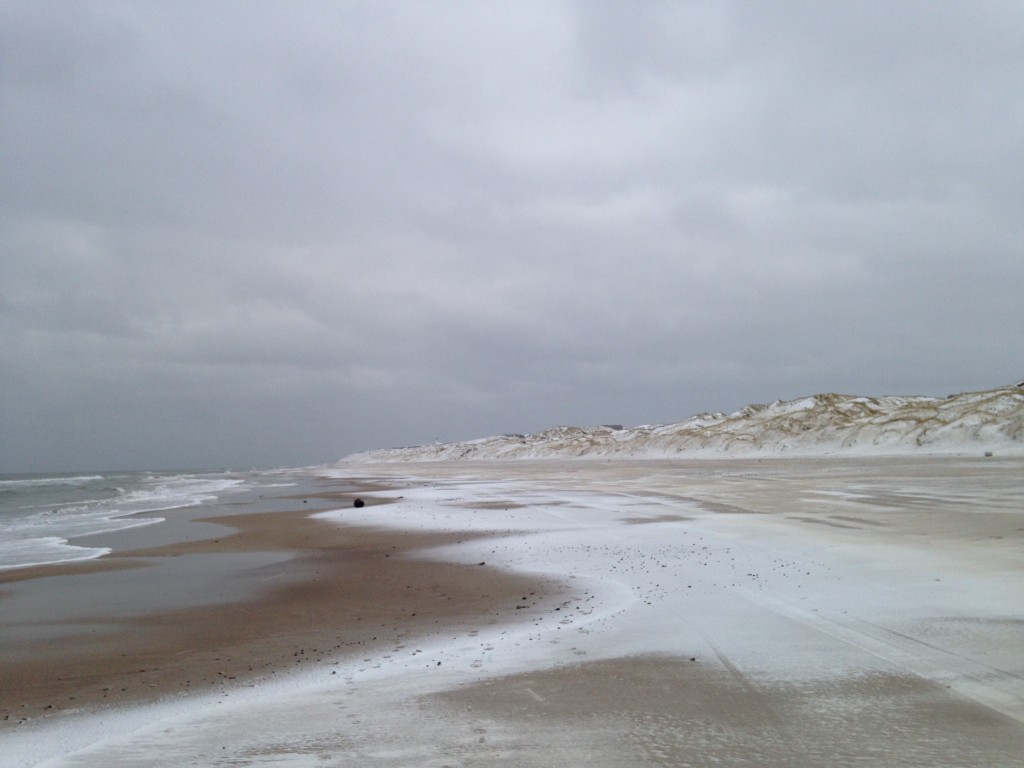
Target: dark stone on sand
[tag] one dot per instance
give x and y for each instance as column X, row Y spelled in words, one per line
column 358, row 503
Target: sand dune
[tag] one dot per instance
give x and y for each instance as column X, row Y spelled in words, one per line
column 829, row 424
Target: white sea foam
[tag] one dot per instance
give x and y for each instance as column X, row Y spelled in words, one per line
column 36, row 530
column 44, row 550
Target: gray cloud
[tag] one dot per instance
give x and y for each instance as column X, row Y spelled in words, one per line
column 249, row 233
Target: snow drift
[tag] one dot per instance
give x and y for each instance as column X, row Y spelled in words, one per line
column 967, row 423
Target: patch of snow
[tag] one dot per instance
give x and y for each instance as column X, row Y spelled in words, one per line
column 826, row 424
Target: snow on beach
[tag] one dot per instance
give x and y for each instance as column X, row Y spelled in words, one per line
column 827, row 424
column 726, row 605
column 784, row 612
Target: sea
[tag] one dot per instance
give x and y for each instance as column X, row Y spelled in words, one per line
column 43, row 515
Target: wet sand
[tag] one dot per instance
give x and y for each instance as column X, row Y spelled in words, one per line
column 228, row 599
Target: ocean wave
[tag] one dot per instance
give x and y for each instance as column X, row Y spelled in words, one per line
column 46, row 512
column 47, row 550
column 49, row 480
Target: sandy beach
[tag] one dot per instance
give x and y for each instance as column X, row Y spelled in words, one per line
column 629, row 612
column 228, row 597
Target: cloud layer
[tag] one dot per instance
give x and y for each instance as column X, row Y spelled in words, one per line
column 255, row 233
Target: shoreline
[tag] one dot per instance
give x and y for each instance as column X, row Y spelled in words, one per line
column 331, row 590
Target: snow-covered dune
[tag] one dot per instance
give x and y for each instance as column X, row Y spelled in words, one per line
column 968, row 423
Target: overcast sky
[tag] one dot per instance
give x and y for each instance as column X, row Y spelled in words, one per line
column 270, row 234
